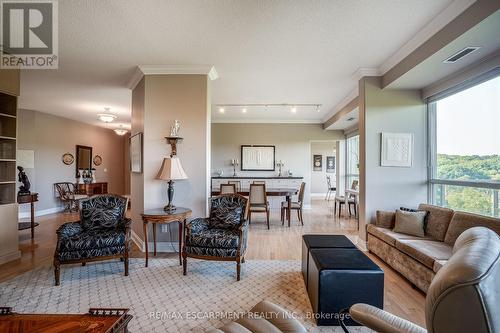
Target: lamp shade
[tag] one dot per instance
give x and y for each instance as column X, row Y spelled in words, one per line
column 171, row 169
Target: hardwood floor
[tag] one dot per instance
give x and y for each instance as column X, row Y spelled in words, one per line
column 279, row 243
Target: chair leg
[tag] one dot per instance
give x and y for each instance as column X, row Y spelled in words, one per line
column 125, row 262
column 184, row 263
column 238, row 269
column 57, row 272
column 267, row 217
column 250, row 217
column 84, row 263
column 327, row 193
column 301, row 218
column 243, row 260
column 282, row 216
column 355, row 213
column 335, row 208
column 340, row 207
column 349, row 205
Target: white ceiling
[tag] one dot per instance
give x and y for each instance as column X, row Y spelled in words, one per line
column 264, row 51
column 486, row 35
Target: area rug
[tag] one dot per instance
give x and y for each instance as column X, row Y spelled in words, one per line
column 160, row 298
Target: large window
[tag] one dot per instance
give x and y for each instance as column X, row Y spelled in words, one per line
column 465, row 150
column 352, row 160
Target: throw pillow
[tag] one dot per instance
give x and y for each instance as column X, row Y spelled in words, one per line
column 410, row 223
column 418, row 210
column 225, row 217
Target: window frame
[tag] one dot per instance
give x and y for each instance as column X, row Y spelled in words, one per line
column 433, row 180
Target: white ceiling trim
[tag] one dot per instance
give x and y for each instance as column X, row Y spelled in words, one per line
column 142, row 70
column 429, row 30
column 265, row 121
column 346, row 100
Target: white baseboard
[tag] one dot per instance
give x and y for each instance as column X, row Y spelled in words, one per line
column 362, row 244
column 24, row 215
column 10, row 257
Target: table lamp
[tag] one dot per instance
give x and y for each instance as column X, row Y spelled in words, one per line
column 171, row 169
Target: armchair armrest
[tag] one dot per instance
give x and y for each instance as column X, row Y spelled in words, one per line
column 69, row 229
column 382, row 321
column 196, row 225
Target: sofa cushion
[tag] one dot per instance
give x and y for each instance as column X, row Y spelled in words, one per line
column 411, row 223
column 438, row 220
column 438, row 264
column 462, row 221
column 385, row 219
column 425, row 251
column 388, row 236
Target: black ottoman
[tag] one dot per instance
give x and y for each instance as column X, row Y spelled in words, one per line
column 339, row 278
column 319, row 242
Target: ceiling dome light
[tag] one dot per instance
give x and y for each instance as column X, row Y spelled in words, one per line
column 244, row 110
column 120, row 131
column 221, row 110
column 106, row 117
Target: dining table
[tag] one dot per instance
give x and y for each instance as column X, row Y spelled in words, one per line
column 271, row 192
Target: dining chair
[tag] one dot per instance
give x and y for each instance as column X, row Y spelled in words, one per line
column 227, row 189
column 330, row 188
column 259, row 182
column 236, row 183
column 258, row 201
column 295, row 205
column 340, row 200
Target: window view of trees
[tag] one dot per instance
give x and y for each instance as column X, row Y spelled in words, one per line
column 468, row 149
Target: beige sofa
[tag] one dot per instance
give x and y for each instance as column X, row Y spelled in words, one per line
column 416, row 258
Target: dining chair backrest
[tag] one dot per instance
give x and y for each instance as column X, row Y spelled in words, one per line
column 259, row 182
column 301, row 192
column 258, row 194
column 328, row 182
column 237, row 183
column 354, row 186
column 227, row 189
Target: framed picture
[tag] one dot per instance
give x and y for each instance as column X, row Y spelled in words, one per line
column 257, row 158
column 136, row 153
column 330, row 164
column 317, row 162
column 396, row 150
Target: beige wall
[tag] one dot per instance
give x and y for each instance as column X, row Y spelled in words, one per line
column 396, row 111
column 164, row 99
column 292, row 141
column 50, row 137
column 318, row 178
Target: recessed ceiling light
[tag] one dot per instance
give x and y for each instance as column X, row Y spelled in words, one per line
column 293, row 109
column 221, row 110
column 244, row 110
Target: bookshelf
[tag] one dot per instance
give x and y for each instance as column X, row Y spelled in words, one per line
column 8, row 145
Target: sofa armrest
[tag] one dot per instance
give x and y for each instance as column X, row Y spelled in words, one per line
column 385, row 219
column 69, row 229
column 382, row 321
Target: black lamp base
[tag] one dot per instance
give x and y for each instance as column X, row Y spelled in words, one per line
column 170, row 194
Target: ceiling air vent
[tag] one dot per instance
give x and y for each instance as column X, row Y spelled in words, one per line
column 460, row 54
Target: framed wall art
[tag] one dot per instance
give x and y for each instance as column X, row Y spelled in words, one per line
column 258, row 158
column 396, row 150
column 330, row 164
column 317, row 162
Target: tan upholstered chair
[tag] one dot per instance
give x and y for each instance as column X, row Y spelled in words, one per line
column 227, row 189
column 265, row 317
column 463, row 297
column 258, row 201
column 351, row 200
column 296, row 205
column 236, row 183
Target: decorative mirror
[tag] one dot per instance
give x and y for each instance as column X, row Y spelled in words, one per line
column 83, row 158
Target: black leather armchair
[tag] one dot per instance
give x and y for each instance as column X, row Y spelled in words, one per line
column 223, row 236
column 103, row 232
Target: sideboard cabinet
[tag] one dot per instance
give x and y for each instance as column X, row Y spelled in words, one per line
column 93, row 188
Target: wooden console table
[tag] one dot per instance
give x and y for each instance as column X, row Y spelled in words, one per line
column 97, row 320
column 31, row 199
column 160, row 216
column 93, row 188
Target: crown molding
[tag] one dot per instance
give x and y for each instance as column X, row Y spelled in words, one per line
column 142, row 70
column 365, row 71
